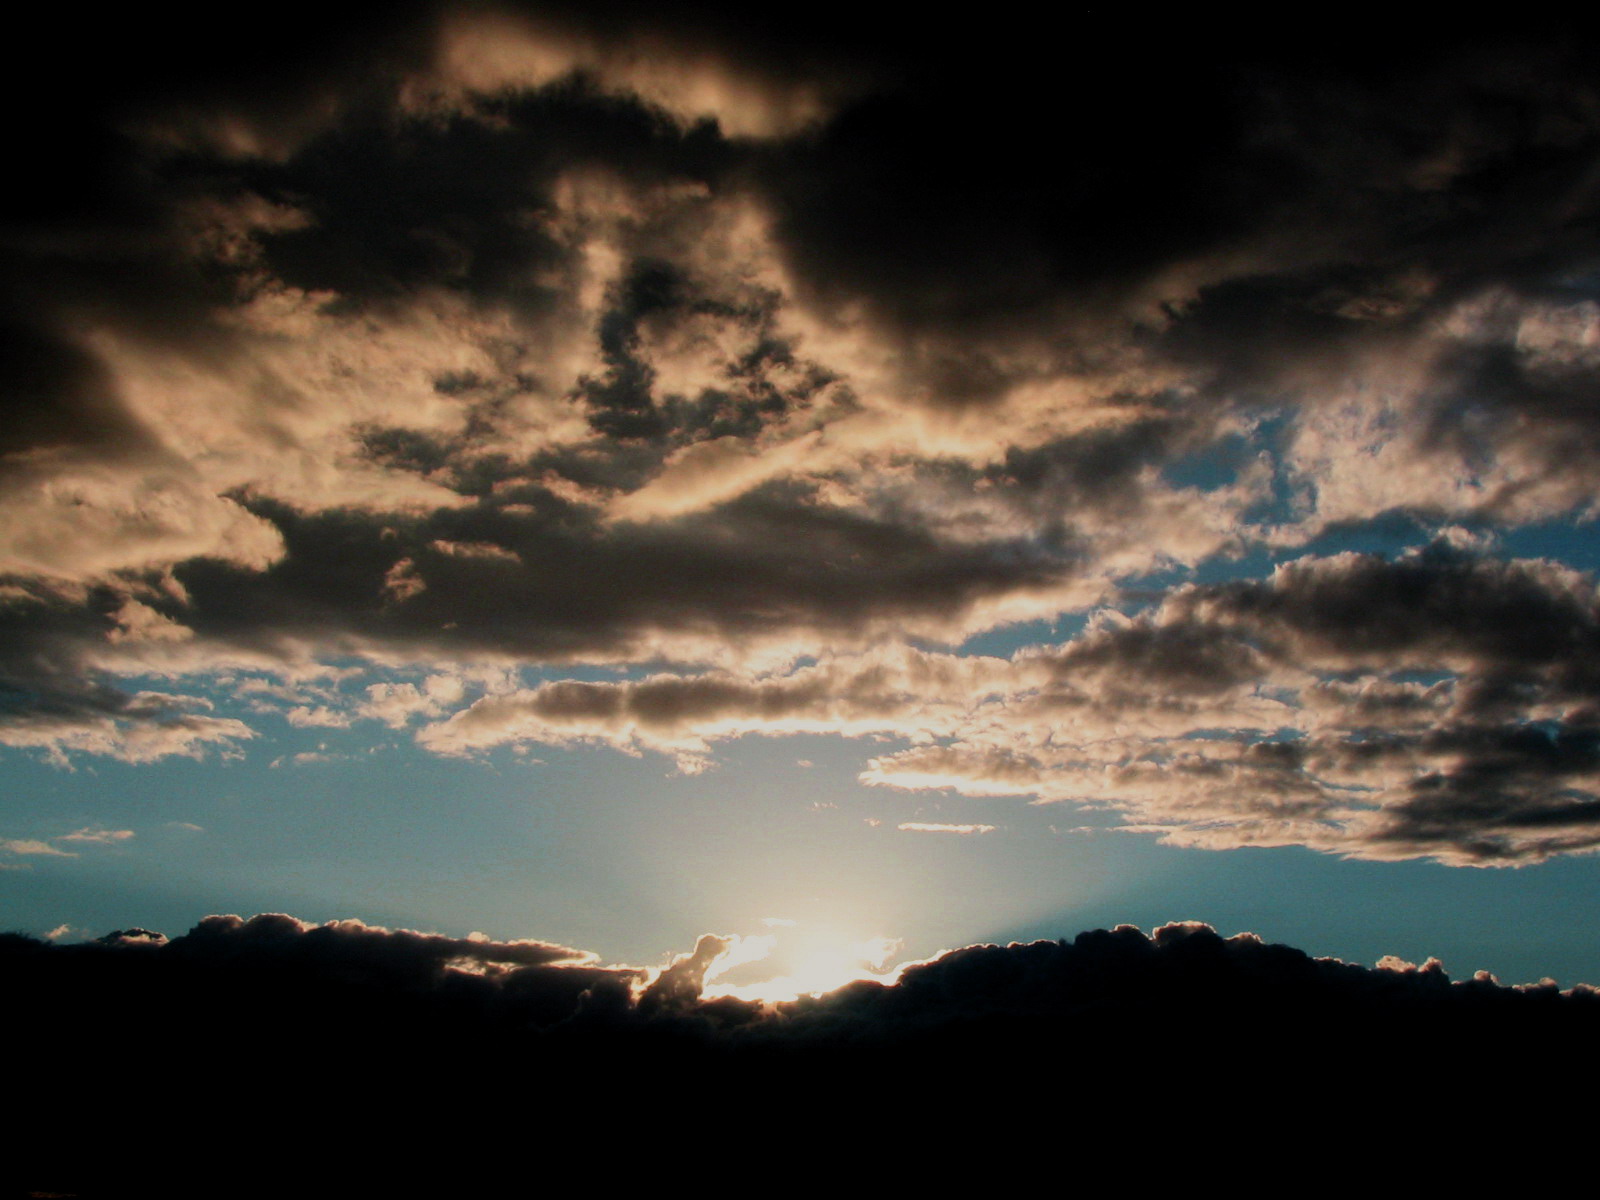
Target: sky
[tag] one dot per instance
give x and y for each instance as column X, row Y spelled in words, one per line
column 611, row 474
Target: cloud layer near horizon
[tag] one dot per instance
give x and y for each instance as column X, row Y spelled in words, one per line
column 770, row 364
column 535, row 986
column 355, row 1056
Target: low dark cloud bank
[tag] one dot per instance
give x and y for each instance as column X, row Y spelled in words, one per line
column 268, row 1049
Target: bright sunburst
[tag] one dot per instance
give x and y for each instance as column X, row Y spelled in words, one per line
column 797, row 959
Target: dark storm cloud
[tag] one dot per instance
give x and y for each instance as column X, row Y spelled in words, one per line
column 407, row 1068
column 51, row 701
column 1277, row 223
column 360, row 216
column 456, row 202
column 966, row 212
column 93, row 231
column 1437, row 704
column 765, row 565
column 1488, row 757
column 549, row 334
column 1247, row 208
column 977, row 194
column 1171, row 659
column 393, row 203
column 1430, row 608
column 58, row 397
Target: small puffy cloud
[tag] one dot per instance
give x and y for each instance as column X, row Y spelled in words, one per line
column 304, row 758
column 396, row 704
column 473, row 550
column 303, row 716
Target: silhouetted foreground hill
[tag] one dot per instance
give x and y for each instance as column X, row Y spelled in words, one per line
column 270, row 1057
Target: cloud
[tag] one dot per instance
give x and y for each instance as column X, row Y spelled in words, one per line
column 493, row 980
column 1141, row 1021
column 494, row 49
column 900, row 691
column 100, row 837
column 396, row 704
column 1281, row 712
column 679, row 984
column 133, row 734
column 34, row 846
column 304, row 758
column 774, row 359
column 278, row 937
column 304, row 716
column 937, row 827
column 1437, row 704
column 82, row 837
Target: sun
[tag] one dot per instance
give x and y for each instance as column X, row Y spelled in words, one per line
column 795, row 959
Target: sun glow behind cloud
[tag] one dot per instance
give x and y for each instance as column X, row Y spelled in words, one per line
column 798, row 959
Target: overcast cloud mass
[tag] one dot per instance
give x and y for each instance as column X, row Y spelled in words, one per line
column 775, row 362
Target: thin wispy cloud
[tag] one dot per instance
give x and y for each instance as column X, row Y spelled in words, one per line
column 65, row 845
column 940, row 827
